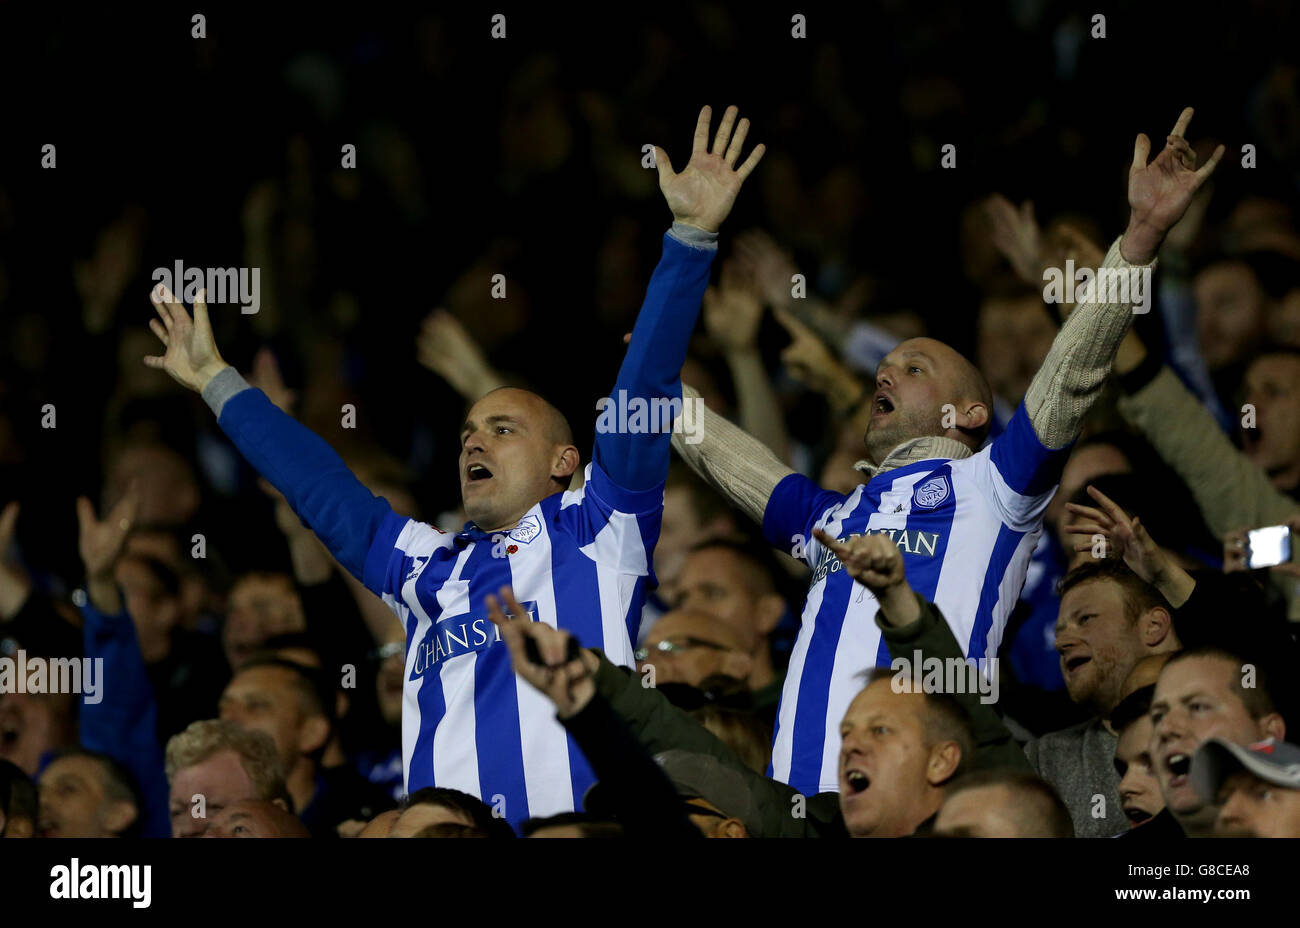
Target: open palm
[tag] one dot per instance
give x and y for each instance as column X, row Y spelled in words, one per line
column 191, row 357
column 703, row 193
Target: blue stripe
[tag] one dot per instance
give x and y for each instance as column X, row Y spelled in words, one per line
column 496, row 697
column 1003, row 550
column 809, row 739
column 923, row 570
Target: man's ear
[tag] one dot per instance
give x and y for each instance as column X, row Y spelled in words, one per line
column 945, row 757
column 974, row 415
column 771, row 607
column 566, row 463
column 1156, row 627
column 119, row 817
column 731, row 828
column 1274, row 726
column 314, row 733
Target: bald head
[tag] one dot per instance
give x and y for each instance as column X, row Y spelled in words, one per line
column 554, row 425
column 516, row 450
column 928, row 388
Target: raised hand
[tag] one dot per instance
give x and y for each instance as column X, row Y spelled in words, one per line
column 266, row 377
column 811, row 363
column 445, row 347
column 772, row 267
column 703, row 193
column 1129, row 540
column 100, row 543
column 1016, row 236
column 1160, row 192
column 568, row 684
column 733, row 309
column 15, row 585
column 876, row 563
column 191, row 357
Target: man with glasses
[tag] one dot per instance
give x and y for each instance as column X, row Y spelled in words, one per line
column 689, row 646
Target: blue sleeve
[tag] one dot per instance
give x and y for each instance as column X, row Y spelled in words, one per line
column 313, row 478
column 793, row 509
column 1027, row 466
column 637, row 460
column 122, row 720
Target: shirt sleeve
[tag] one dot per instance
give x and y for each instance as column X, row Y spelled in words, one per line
column 613, row 525
column 634, row 430
column 1019, row 474
column 796, row 505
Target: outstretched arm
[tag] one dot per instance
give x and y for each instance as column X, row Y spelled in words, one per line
column 346, row 516
column 1076, row 368
column 700, row 197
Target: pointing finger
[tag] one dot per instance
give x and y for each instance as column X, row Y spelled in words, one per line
column 1184, row 118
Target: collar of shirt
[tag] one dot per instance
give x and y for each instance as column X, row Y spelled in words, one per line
column 925, row 448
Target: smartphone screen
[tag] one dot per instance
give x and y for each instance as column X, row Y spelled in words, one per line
column 1269, row 546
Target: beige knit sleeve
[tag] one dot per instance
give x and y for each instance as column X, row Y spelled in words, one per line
column 739, row 466
column 1075, row 370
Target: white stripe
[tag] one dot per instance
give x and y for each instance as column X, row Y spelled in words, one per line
column 544, row 744
column 783, row 744
column 860, row 636
column 615, row 591
column 972, row 533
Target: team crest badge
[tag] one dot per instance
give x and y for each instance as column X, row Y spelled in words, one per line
column 932, row 493
column 527, row 529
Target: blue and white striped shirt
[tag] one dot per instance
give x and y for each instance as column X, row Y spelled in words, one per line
column 579, row 560
column 967, row 529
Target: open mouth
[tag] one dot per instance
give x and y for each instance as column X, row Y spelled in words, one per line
column 477, row 472
column 857, row 781
column 1074, row 663
column 1136, row 816
column 1178, row 765
column 884, row 405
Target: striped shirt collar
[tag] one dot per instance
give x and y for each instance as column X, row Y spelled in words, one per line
column 925, row 448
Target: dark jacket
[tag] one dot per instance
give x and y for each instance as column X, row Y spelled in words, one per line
column 661, row 726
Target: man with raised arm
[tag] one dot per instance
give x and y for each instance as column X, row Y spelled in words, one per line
column 579, row 559
column 966, row 519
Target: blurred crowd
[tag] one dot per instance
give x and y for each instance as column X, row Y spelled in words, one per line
column 1145, row 686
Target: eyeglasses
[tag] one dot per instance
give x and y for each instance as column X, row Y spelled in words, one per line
column 676, row 647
